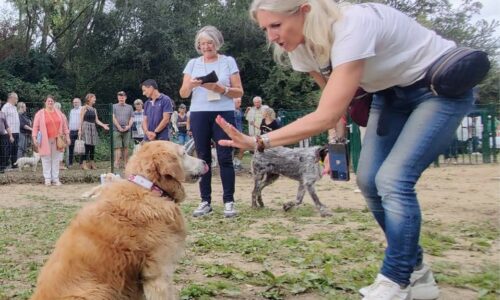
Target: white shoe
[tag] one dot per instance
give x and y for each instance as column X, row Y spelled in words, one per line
column 422, row 284
column 385, row 289
column 47, row 182
column 56, row 183
column 229, row 210
column 203, row 209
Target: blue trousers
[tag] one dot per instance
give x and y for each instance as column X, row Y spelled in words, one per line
column 182, row 138
column 419, row 127
column 205, row 130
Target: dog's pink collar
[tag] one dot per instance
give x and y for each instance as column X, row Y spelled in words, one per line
column 149, row 185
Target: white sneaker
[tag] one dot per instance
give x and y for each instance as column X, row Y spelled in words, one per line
column 203, row 209
column 422, row 284
column 385, row 289
column 229, row 210
column 56, row 183
column 47, row 182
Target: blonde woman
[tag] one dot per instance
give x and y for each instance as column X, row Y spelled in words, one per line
column 88, row 130
column 368, row 45
column 269, row 122
column 137, row 131
column 25, row 125
column 49, row 123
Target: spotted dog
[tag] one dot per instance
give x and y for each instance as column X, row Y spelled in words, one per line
column 300, row 164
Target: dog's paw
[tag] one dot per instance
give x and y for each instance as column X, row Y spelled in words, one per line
column 288, row 205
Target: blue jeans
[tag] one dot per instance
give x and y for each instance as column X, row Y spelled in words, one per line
column 182, row 138
column 420, row 126
column 204, row 131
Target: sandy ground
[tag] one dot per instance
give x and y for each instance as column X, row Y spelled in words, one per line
column 449, row 195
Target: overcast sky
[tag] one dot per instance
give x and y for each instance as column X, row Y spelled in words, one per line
column 490, row 11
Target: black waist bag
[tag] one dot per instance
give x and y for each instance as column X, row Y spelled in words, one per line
column 457, row 71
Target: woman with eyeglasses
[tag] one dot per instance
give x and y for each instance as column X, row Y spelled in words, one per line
column 137, row 131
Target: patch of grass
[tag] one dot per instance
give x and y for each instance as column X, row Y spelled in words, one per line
column 435, row 243
column 479, row 237
column 25, row 234
column 205, row 291
column 225, row 271
column 486, row 282
column 262, row 253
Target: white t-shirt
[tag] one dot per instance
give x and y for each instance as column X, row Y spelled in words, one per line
column 224, row 67
column 397, row 49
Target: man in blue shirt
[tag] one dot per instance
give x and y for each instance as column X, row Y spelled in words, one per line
column 157, row 111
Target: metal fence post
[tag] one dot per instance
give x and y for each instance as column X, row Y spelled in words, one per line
column 485, row 139
column 354, row 144
column 493, row 131
column 111, row 139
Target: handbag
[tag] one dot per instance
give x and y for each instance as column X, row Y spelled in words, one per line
column 457, row 71
column 359, row 108
column 61, row 142
column 79, row 147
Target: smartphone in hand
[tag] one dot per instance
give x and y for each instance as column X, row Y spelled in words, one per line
column 339, row 161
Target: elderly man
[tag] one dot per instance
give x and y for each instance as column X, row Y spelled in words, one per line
column 6, row 139
column 74, row 126
column 12, row 116
column 254, row 116
column 123, row 119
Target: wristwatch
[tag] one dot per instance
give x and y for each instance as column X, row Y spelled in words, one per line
column 226, row 90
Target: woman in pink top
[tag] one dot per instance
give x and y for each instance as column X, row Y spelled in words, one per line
column 49, row 122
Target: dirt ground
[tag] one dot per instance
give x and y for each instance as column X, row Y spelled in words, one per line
column 448, row 195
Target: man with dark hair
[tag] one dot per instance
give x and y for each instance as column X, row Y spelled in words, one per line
column 157, row 111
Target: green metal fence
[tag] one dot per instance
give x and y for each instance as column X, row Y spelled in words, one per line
column 477, row 140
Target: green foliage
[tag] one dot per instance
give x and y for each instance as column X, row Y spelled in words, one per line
column 72, row 47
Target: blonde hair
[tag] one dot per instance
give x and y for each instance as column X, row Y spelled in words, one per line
column 318, row 22
column 211, row 33
column 269, row 111
column 21, row 106
column 88, row 97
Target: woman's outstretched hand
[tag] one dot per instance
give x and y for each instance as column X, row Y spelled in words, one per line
column 238, row 139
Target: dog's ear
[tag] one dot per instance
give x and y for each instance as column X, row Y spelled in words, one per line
column 168, row 163
column 321, row 153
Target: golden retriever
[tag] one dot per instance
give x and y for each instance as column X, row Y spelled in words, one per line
column 126, row 243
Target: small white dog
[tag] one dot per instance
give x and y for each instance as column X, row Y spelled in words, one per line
column 31, row 161
column 105, row 179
